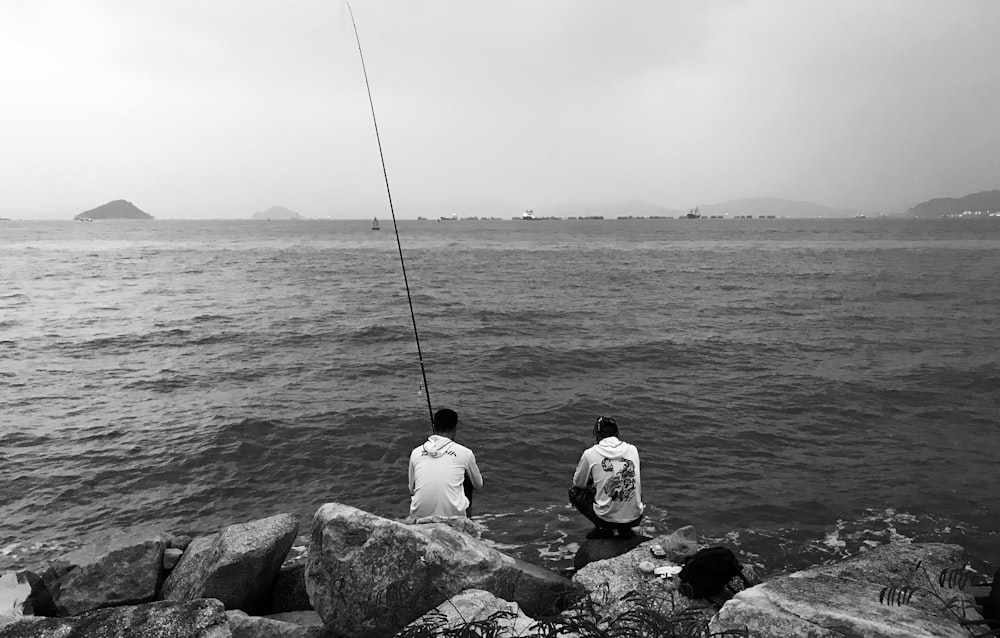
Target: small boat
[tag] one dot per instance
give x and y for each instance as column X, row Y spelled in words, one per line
column 453, row 218
column 694, row 213
column 375, row 224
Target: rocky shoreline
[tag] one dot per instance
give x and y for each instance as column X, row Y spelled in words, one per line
column 362, row 575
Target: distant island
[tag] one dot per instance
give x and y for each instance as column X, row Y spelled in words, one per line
column 977, row 204
column 118, row 209
column 277, row 212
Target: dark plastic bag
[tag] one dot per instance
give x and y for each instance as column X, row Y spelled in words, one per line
column 708, row 572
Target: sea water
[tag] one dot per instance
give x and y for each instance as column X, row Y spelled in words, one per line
column 797, row 389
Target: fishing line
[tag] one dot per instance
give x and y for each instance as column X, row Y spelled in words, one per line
column 388, row 192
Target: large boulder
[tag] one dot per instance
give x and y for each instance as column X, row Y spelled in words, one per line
column 194, row 619
column 844, row 599
column 370, row 576
column 117, row 571
column 608, row 581
column 479, row 609
column 236, row 566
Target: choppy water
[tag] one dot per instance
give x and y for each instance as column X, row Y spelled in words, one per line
column 796, row 388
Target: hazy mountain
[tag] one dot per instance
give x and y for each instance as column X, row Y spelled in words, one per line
column 986, row 201
column 118, row 209
column 767, row 206
column 277, row 212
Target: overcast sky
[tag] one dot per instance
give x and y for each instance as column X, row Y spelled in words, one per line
column 220, row 108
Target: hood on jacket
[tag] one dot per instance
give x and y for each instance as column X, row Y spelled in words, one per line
column 612, row 447
column 436, row 445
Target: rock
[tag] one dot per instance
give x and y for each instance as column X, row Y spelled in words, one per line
column 178, row 541
column 118, row 571
column 195, row 619
column 198, row 557
column 236, row 566
column 843, row 599
column 171, row 556
column 619, row 574
column 288, row 593
column 678, row 545
column 118, row 209
column 613, row 585
column 461, row 523
column 540, row 592
column 243, row 626
column 603, row 548
column 307, row 618
column 370, row 576
column 503, row 618
column 991, row 603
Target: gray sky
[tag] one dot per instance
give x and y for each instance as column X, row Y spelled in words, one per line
column 220, row 108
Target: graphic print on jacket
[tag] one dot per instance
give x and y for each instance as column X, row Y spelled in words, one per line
column 621, row 486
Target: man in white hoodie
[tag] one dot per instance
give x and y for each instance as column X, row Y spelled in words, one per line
column 606, row 485
column 443, row 473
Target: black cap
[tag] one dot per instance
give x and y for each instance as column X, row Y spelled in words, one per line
column 605, row 424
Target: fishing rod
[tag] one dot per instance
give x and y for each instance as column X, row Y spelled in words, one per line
column 392, row 211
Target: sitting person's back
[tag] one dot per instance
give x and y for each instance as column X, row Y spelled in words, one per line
column 442, row 473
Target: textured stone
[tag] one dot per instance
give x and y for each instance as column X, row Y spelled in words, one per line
column 461, row 523
column 236, row 566
column 604, row 548
column 243, row 626
column 617, row 586
column 171, row 556
column 288, row 593
column 370, row 576
column 843, row 599
column 617, row 575
column 119, row 571
column 477, row 606
column 195, row 619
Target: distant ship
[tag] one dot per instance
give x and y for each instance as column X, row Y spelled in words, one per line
column 528, row 214
column 453, row 218
column 694, row 213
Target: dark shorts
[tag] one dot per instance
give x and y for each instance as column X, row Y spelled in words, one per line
column 583, row 500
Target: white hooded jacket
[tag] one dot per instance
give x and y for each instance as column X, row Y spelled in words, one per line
column 437, row 471
column 613, row 467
